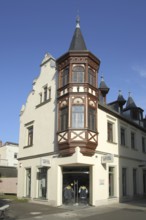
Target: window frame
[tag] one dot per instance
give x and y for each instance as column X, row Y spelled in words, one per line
column 123, row 136
column 133, row 140
column 92, row 119
column 65, row 77
column 91, row 77
column 64, row 117
column 143, row 140
column 124, row 181
column 78, row 74
column 110, row 132
column 78, row 117
column 30, row 135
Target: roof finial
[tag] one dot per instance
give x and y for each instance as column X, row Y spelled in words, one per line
column 129, row 94
column 120, row 92
column 78, row 21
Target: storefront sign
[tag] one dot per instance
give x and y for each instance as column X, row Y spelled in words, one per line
column 108, row 158
column 101, row 182
column 45, row 162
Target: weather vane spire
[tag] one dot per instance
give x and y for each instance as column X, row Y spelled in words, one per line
column 78, row 20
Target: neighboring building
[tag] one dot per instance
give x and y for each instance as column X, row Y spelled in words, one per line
column 8, row 167
column 73, row 146
column 8, row 154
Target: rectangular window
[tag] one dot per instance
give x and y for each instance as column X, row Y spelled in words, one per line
column 45, row 93
column 143, row 144
column 91, row 78
column 124, row 181
column 110, row 132
column 64, row 119
column 132, row 140
column 15, row 155
column 144, row 181
column 40, row 97
column 123, row 141
column 111, row 181
column 30, row 135
column 65, row 77
column 78, row 116
column 92, row 119
column 134, row 181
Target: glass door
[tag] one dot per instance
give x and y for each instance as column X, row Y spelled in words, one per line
column 75, row 185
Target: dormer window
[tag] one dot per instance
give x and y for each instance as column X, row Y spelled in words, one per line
column 78, row 74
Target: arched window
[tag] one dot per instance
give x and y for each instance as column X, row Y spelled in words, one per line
column 78, row 74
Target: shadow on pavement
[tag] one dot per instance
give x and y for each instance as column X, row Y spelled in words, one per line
column 21, row 210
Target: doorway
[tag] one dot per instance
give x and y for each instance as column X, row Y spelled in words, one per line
column 28, row 182
column 75, row 185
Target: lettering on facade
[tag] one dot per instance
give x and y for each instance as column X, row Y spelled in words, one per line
column 101, row 182
column 108, row 158
column 45, row 162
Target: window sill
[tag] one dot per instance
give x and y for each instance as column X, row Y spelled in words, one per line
column 124, row 146
column 112, row 142
column 134, row 149
column 43, row 103
column 27, row 146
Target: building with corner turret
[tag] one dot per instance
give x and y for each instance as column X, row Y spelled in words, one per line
column 74, row 147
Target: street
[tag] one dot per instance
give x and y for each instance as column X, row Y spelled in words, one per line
column 30, row 211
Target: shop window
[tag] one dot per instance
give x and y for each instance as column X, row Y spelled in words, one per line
column 64, row 118
column 92, row 119
column 124, row 181
column 28, row 182
column 42, row 183
column 111, row 181
column 78, row 74
column 78, row 116
column 134, row 181
column 143, row 144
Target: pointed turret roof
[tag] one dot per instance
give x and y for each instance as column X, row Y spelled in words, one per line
column 103, row 87
column 121, row 99
column 77, row 42
column 130, row 102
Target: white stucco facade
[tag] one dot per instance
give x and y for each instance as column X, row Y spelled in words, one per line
column 112, row 174
column 8, row 154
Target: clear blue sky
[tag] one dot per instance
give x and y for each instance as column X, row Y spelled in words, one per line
column 114, row 30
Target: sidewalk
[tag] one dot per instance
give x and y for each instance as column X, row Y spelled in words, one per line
column 32, row 211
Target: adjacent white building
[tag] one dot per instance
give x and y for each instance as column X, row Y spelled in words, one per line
column 8, row 167
column 8, row 154
column 73, row 146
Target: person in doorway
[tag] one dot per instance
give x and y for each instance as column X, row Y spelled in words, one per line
column 68, row 194
column 83, row 191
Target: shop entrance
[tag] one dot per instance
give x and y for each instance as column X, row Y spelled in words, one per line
column 76, row 185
